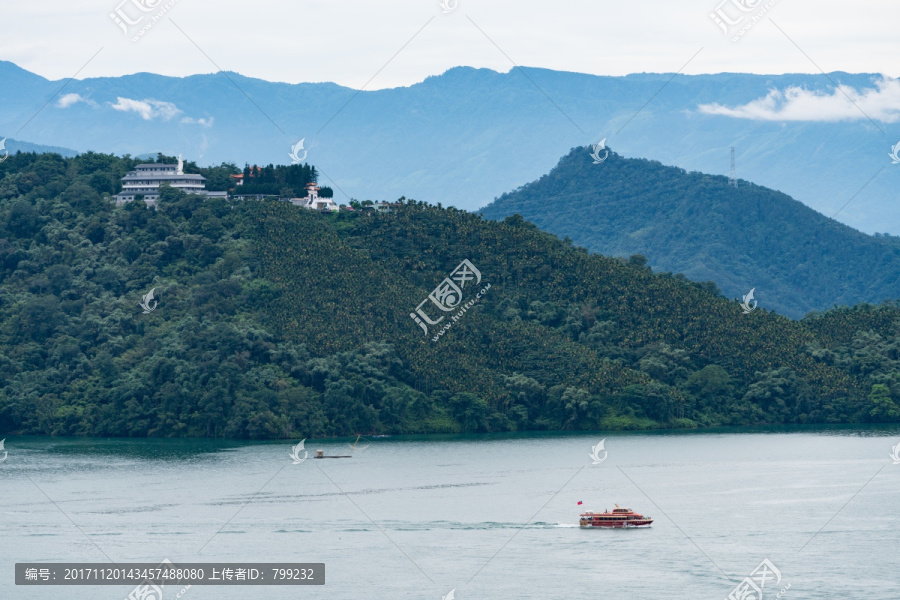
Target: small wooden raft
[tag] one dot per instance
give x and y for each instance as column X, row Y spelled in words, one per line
column 321, row 454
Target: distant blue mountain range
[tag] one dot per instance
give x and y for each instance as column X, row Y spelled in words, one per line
column 465, row 137
column 12, row 146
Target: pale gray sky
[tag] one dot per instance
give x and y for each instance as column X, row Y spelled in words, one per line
column 349, row 41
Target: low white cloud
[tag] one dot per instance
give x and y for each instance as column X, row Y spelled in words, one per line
column 204, row 122
column 70, row 99
column 147, row 109
column 844, row 103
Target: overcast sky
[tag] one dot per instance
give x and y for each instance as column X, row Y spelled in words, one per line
column 400, row 42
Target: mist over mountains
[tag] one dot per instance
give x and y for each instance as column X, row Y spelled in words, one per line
column 465, row 137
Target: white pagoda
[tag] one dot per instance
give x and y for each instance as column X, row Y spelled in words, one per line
column 146, row 179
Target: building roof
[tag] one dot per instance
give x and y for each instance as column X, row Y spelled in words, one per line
column 160, row 176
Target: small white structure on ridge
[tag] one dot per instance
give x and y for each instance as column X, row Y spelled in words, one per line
column 313, row 201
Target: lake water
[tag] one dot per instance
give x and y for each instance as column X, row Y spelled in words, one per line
column 488, row 516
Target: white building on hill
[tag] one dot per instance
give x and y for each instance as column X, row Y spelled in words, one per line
column 146, row 179
column 313, row 201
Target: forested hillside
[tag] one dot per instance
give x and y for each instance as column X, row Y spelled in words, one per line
column 696, row 224
column 274, row 321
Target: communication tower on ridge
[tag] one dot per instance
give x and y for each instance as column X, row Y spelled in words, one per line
column 733, row 178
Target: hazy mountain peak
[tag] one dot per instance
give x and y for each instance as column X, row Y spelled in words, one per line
column 471, row 134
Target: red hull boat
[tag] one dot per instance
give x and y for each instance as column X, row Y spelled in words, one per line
column 620, row 518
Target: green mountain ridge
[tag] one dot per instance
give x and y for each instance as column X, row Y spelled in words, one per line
column 274, row 321
column 740, row 238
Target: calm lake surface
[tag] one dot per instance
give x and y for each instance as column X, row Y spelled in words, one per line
column 488, row 516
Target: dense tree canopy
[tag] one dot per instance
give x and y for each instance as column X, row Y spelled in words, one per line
column 274, row 321
column 741, row 237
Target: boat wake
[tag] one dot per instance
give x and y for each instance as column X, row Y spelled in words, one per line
column 456, row 525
